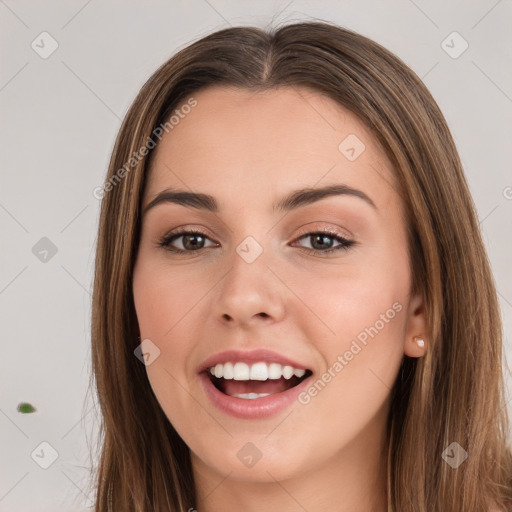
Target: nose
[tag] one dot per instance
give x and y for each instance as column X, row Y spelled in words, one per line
column 249, row 292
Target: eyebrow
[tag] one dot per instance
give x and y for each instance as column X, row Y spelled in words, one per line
column 294, row 200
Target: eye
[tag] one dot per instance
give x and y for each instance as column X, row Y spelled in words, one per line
column 322, row 242
column 193, row 240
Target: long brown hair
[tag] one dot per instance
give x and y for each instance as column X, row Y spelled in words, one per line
column 455, row 393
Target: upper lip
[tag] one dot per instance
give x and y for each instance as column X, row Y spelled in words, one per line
column 249, row 357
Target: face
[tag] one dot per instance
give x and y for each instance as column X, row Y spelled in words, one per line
column 300, row 307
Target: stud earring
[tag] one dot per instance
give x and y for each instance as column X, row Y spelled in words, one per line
column 419, row 341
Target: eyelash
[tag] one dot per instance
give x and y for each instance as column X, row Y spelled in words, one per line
column 345, row 244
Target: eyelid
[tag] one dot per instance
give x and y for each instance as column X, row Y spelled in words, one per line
column 180, row 231
column 305, row 229
column 309, row 228
column 189, row 228
column 344, row 241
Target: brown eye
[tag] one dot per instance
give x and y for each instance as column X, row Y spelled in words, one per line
column 321, row 242
column 190, row 241
column 324, row 242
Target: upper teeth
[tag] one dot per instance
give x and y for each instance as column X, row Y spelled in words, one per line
column 256, row 371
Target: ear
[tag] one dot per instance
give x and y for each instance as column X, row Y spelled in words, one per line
column 416, row 327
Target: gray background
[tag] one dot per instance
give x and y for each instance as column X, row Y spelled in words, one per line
column 60, row 115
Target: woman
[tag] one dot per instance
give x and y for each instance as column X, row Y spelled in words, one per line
column 293, row 308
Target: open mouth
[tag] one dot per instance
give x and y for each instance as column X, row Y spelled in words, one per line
column 241, row 380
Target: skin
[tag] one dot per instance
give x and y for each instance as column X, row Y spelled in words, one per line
column 249, row 150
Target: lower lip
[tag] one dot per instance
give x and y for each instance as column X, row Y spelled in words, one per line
column 256, row 408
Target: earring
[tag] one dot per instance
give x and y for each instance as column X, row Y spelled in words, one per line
column 419, row 341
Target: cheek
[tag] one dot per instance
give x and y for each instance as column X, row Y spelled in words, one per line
column 361, row 359
column 168, row 303
column 162, row 301
column 367, row 326
column 360, row 315
column 163, row 297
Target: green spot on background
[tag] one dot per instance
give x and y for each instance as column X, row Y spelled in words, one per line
column 25, row 408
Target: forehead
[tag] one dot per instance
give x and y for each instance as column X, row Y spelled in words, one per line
column 250, row 143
